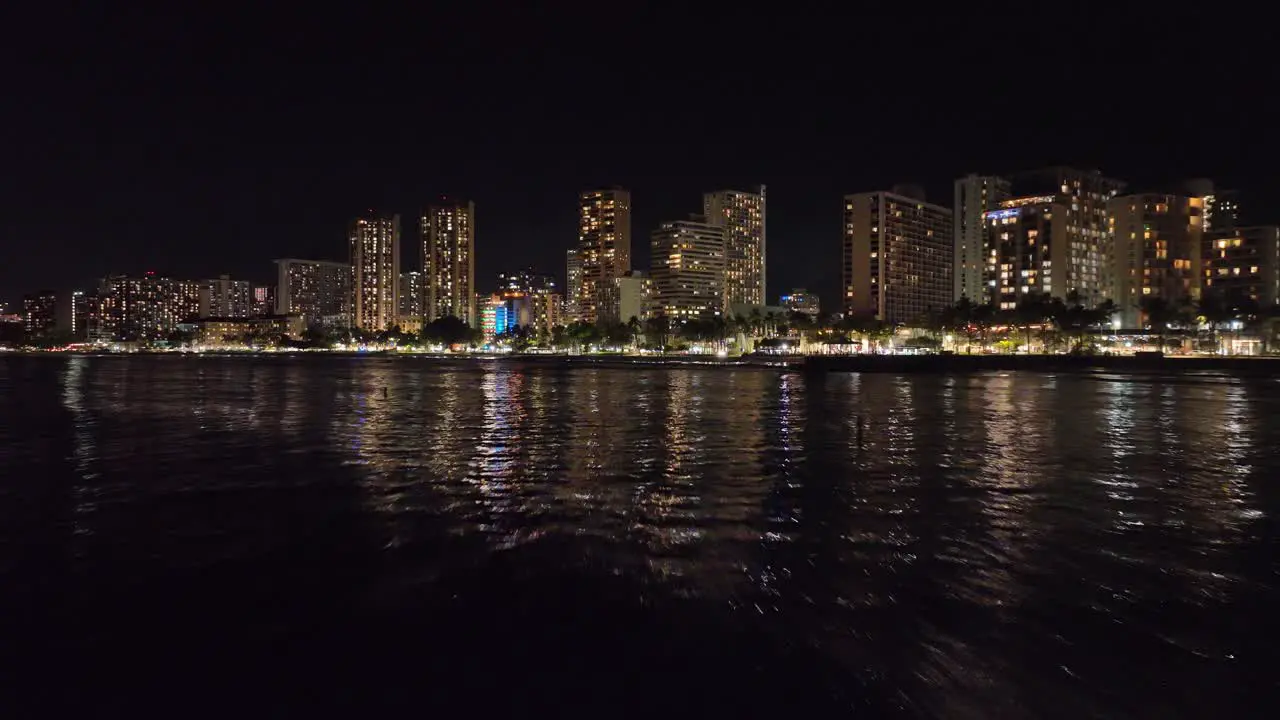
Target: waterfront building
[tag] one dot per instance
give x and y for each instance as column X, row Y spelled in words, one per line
column 1085, row 195
column 145, row 308
column 897, row 255
column 975, row 195
column 688, row 269
column 603, row 252
column 635, row 296
column 413, row 292
column 318, row 290
column 449, row 261
column 1243, row 263
column 374, row 243
column 1157, row 247
column 742, row 215
column 39, row 314
column 226, row 298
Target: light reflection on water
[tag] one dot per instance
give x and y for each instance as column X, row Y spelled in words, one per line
column 1010, row 541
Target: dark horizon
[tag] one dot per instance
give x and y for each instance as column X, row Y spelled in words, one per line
column 198, row 145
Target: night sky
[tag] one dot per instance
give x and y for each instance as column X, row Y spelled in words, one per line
column 198, row 144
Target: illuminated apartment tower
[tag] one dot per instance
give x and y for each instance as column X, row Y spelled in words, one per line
column 1027, row 245
column 573, row 285
column 375, row 264
column 742, row 214
column 449, row 262
column 604, row 251
column 688, row 269
column 1084, row 194
column 1157, row 251
column 318, row 290
column 1242, row 264
column 412, row 293
column 974, row 196
column 897, row 255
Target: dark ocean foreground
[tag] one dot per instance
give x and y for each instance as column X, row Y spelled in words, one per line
column 273, row 536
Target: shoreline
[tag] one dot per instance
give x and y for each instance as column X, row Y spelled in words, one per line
column 901, row 364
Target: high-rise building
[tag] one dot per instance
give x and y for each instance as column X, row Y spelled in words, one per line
column 72, row 315
column 688, row 269
column 449, row 261
column 974, row 196
column 1084, row 194
column 145, row 308
column 1221, row 207
column 1243, row 263
column 412, row 294
column 635, row 296
column 573, row 285
column 1026, row 248
column 1158, row 241
column 801, row 301
column 604, row 251
column 897, row 255
column 264, row 300
column 40, row 314
column 375, row 263
column 742, row 214
column 318, row 290
column 226, row 298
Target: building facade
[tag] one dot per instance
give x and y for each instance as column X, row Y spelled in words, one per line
column 635, row 296
column 975, row 195
column 688, row 258
column 535, row 299
column 374, row 243
column 264, row 301
column 1085, row 194
column 318, row 290
column 1243, row 263
column 572, row 285
column 39, row 314
column 226, row 298
column 145, row 309
column 801, row 301
column 1157, row 245
column 449, row 261
column 413, row 292
column 604, row 251
column 1026, row 249
column 897, row 255
column 742, row 214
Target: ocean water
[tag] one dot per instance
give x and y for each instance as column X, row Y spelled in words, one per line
column 365, row 535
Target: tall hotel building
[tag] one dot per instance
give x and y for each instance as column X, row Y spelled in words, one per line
column 974, row 196
column 1157, row 245
column 1026, row 251
column 226, row 298
column 318, row 290
column 412, row 293
column 742, row 214
column 375, row 264
column 572, row 284
column 604, row 251
column 1084, row 194
column 145, row 308
column 449, row 262
column 897, row 255
column 688, row 258
column 1243, row 263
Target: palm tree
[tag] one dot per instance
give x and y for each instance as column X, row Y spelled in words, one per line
column 1158, row 313
column 636, row 329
